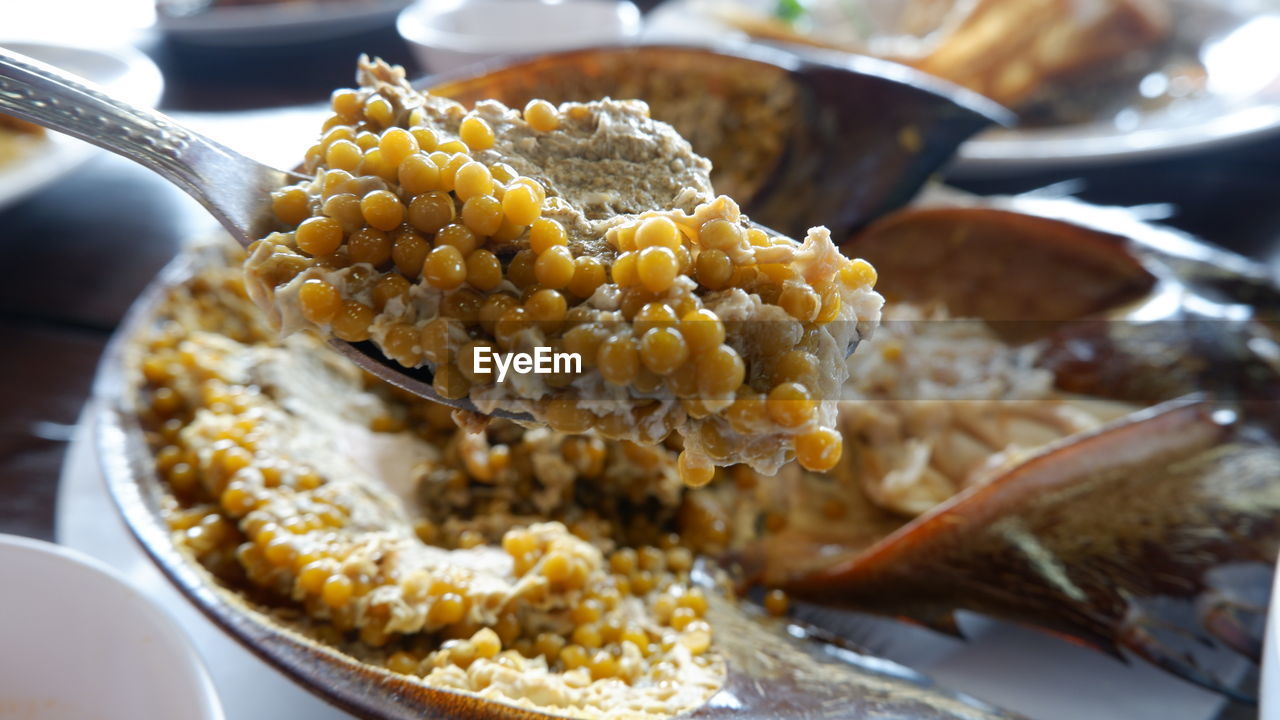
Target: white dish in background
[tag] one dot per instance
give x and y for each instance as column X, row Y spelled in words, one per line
column 79, row 642
column 447, row 34
column 280, row 23
column 123, row 73
column 1236, row 41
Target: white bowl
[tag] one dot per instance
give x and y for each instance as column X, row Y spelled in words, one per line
column 447, row 34
column 78, row 642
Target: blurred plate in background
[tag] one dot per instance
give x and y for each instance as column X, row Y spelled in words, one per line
column 280, row 23
column 1269, row 687
column 39, row 160
column 1220, row 86
column 81, row 642
column 449, row 34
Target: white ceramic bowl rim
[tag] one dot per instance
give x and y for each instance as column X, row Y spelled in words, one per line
column 75, row 557
column 608, row 19
column 162, row 621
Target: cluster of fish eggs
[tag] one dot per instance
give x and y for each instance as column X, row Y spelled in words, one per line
column 400, row 210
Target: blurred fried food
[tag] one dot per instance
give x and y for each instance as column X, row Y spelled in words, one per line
column 1025, row 54
column 1012, row 51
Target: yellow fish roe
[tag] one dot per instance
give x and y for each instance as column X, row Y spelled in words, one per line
column 446, row 236
column 466, row 583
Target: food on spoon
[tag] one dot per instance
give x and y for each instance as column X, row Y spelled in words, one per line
column 450, row 238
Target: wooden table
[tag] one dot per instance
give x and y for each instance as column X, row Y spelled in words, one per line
column 75, row 255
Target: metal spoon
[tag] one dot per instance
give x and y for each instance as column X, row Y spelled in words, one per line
column 234, row 188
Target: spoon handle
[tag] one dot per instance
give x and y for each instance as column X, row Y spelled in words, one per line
column 231, row 186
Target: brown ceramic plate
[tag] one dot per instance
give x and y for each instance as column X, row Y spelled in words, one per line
column 770, row 675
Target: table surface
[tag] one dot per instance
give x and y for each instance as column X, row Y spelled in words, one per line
column 75, row 255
